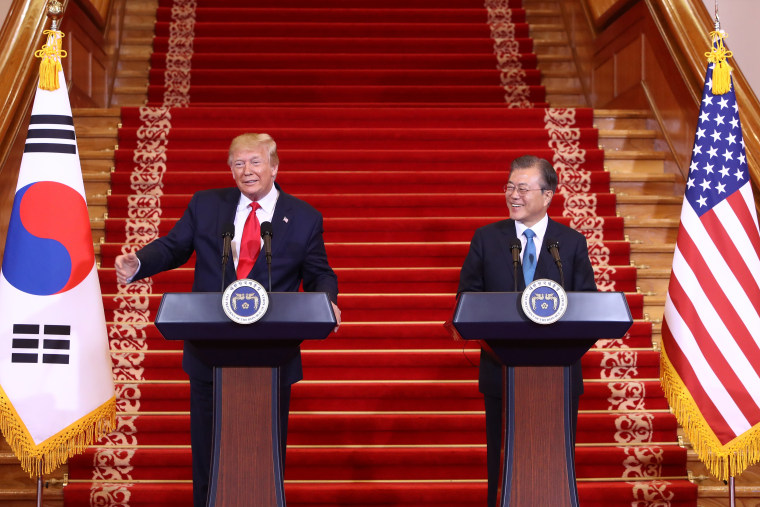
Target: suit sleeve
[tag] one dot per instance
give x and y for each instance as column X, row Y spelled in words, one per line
column 172, row 250
column 471, row 274
column 317, row 275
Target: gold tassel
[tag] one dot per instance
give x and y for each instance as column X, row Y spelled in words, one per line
column 52, row 453
column 721, row 460
column 51, row 54
column 721, row 78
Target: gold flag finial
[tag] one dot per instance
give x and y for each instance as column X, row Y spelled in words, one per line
column 55, row 11
column 51, row 52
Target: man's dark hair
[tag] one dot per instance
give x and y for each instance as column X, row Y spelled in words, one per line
column 548, row 174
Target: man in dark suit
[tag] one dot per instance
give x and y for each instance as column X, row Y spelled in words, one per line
column 488, row 268
column 298, row 256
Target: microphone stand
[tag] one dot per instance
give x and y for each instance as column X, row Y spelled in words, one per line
column 266, row 235
column 515, row 247
column 269, row 269
column 553, row 248
column 225, row 258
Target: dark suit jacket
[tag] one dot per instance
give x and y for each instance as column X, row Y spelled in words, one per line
column 488, row 268
column 298, row 255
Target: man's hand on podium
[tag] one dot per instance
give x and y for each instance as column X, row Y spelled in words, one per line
column 337, row 317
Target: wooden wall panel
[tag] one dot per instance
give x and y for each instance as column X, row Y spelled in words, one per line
column 604, row 90
column 672, row 103
column 581, row 33
column 672, row 37
column 85, row 41
column 628, row 63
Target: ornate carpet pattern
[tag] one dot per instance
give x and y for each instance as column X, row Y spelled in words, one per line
column 397, row 120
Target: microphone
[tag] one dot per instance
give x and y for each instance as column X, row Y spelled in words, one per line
column 553, row 246
column 516, row 247
column 228, row 232
column 266, row 234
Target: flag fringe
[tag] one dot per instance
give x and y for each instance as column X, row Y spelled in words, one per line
column 722, row 461
column 51, row 54
column 721, row 76
column 46, row 457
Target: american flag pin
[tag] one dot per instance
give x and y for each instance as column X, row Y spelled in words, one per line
column 285, row 219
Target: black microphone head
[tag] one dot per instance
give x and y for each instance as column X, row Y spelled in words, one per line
column 515, row 244
column 266, row 229
column 551, row 243
column 228, row 230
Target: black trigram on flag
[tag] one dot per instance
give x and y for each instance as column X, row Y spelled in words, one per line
column 51, row 133
column 54, row 343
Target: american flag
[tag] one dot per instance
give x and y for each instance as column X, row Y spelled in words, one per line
column 711, row 330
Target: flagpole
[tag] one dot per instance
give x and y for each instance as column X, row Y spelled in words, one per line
column 731, row 482
column 39, row 485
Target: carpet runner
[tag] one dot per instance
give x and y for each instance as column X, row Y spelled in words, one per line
column 397, row 120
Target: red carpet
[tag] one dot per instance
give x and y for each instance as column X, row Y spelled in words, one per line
column 398, row 120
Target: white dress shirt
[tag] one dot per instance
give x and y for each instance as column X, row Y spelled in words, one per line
column 264, row 214
column 538, row 228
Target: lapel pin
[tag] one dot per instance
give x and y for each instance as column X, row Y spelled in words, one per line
column 285, row 219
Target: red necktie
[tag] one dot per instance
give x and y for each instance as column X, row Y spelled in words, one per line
column 250, row 244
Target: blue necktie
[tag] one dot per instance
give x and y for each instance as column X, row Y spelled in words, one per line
column 529, row 256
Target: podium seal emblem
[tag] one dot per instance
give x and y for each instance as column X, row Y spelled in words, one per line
column 544, row 301
column 245, row 301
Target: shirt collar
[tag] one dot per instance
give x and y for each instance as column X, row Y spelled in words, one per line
column 267, row 202
column 539, row 228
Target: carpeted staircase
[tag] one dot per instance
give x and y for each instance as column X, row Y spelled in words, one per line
column 398, row 121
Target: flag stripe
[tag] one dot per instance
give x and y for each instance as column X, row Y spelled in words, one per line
column 736, row 316
column 56, row 344
column 57, row 329
column 672, row 340
column 692, row 226
column 718, row 224
column 51, row 134
column 23, row 358
column 65, row 149
column 724, row 357
column 25, row 343
column 26, row 329
column 53, row 119
column 695, row 341
column 55, row 359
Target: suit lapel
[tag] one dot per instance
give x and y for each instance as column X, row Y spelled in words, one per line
column 226, row 215
column 509, row 232
column 546, row 267
column 282, row 224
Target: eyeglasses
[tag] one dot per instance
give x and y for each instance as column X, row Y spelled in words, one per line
column 522, row 190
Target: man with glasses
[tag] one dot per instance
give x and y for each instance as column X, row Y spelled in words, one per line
column 488, row 268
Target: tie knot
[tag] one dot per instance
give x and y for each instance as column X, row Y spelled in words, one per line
column 254, row 206
column 529, row 233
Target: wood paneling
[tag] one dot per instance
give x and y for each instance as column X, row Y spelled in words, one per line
column 84, row 42
column 651, row 53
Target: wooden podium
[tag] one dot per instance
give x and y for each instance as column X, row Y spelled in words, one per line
column 246, row 464
column 538, row 462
